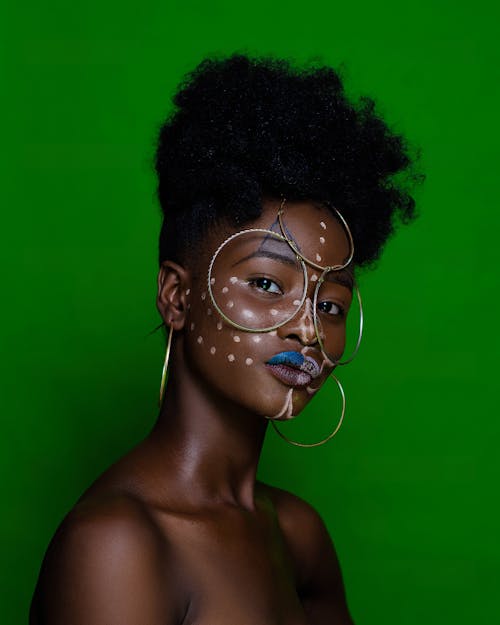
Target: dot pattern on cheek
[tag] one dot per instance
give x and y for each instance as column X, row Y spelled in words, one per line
column 200, row 340
column 249, row 362
column 236, row 338
column 322, row 240
column 212, row 280
column 322, row 224
column 231, row 357
column 212, row 350
column 219, row 325
column 230, row 304
column 273, row 312
column 257, row 339
column 318, row 258
column 296, row 302
column 225, row 289
column 188, row 291
column 233, row 279
column 314, row 278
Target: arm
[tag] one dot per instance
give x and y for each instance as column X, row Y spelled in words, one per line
column 320, row 584
column 107, row 568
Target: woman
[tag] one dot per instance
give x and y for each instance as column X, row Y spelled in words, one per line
column 274, row 189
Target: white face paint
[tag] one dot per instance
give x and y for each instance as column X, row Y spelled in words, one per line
column 203, row 295
column 318, row 258
column 200, row 340
column 225, row 289
column 212, row 280
column 209, row 311
column 248, row 362
column 212, row 350
column 219, row 325
column 322, row 240
column 314, row 278
column 192, row 326
column 188, row 291
column 236, row 338
column 231, row 357
column 322, row 224
column 287, row 409
column 233, row 279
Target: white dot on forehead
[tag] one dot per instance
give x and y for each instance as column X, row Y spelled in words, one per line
column 219, row 325
column 236, row 338
column 231, row 357
column 233, row 279
column 322, row 224
column 225, row 289
column 230, row 304
column 248, row 361
column 212, row 350
column 200, row 340
column 322, row 240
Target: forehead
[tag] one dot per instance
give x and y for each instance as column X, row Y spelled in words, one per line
column 315, row 231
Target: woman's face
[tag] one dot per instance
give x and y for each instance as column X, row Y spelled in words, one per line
column 257, row 282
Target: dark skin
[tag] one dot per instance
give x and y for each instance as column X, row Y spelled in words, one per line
column 179, row 531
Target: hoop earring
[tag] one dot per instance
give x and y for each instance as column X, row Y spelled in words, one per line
column 165, row 366
column 331, row 435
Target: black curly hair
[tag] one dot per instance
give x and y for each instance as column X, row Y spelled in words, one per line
column 248, row 128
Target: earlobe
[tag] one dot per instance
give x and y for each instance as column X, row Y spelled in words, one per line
column 173, row 282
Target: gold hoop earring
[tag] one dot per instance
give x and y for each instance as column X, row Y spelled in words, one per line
column 165, row 366
column 330, row 436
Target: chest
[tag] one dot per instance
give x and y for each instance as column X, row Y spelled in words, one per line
column 237, row 569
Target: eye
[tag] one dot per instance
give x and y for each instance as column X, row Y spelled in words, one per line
column 330, row 308
column 265, row 284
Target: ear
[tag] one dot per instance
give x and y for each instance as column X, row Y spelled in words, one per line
column 173, row 280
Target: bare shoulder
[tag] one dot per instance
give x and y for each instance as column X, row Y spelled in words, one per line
column 107, row 563
column 318, row 572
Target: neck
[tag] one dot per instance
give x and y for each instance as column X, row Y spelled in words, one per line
column 207, row 447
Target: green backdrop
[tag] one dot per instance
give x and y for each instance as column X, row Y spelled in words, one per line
column 407, row 487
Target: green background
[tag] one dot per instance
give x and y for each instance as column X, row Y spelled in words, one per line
column 408, row 487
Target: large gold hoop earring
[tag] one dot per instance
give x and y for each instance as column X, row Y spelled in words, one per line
column 165, row 366
column 330, row 436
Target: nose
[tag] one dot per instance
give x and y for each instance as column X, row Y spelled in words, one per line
column 301, row 326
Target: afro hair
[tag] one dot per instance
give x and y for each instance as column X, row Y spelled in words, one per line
column 244, row 129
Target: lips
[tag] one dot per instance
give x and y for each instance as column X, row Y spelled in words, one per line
column 293, row 368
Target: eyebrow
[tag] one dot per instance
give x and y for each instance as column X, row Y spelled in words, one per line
column 268, row 254
column 341, row 277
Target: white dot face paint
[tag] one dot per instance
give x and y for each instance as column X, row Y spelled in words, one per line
column 273, row 332
column 273, row 312
column 212, row 350
column 225, row 289
column 188, row 291
column 257, row 339
column 322, row 224
column 314, row 278
column 209, row 311
column 230, row 304
column 203, row 295
column 200, row 340
column 233, row 279
column 236, row 338
column 296, row 302
column 192, row 326
column 219, row 325
column 231, row 357
column 212, row 280
column 322, row 240
column 248, row 362
column 318, row 258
